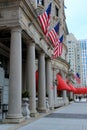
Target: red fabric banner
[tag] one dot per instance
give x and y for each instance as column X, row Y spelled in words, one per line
column 73, row 89
column 62, row 85
column 81, row 90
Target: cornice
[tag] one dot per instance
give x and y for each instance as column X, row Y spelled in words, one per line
column 9, row 3
column 63, row 61
column 59, row 61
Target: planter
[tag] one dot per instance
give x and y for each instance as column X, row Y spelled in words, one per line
column 25, row 108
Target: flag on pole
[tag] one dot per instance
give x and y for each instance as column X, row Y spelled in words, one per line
column 44, row 19
column 61, row 45
column 77, row 77
column 58, row 48
column 55, row 51
column 53, row 34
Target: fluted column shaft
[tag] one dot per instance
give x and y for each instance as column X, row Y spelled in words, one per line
column 24, row 76
column 15, row 83
column 49, row 83
column 41, row 83
column 64, row 92
column 31, row 77
column 55, row 95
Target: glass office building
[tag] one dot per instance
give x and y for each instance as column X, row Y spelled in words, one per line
column 83, row 45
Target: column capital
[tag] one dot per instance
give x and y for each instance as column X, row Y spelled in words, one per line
column 16, row 29
column 30, row 42
column 42, row 53
column 48, row 59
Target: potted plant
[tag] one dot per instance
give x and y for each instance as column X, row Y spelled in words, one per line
column 25, row 96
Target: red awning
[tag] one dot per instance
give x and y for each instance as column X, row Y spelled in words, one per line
column 62, row 85
column 81, row 90
column 73, row 89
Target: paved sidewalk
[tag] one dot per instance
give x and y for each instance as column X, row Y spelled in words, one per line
column 71, row 117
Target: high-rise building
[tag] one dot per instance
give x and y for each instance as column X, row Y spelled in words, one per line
column 79, row 61
column 74, row 56
column 83, row 46
column 77, row 57
column 71, row 42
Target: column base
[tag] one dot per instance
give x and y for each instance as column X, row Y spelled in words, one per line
column 34, row 114
column 41, row 110
column 51, row 108
column 14, row 120
column 66, row 101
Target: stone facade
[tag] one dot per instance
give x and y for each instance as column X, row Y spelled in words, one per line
column 23, row 43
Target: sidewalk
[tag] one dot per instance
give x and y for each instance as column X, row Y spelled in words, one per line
column 71, row 117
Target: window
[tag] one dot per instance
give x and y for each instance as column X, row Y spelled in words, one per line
column 56, row 11
column 69, row 41
column 41, row 2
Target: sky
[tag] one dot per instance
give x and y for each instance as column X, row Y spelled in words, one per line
column 76, row 18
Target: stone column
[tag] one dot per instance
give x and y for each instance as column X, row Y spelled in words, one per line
column 41, row 83
column 49, row 83
column 55, row 83
column 63, row 76
column 15, row 81
column 71, row 95
column 55, row 96
column 64, row 92
column 31, row 77
column 24, row 76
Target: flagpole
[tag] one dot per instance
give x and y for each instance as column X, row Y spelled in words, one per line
column 37, row 15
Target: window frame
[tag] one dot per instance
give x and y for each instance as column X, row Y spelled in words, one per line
column 56, row 11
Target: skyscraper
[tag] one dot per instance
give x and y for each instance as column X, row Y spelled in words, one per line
column 74, row 56
column 71, row 45
column 83, row 45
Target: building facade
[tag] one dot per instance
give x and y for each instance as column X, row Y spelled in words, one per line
column 71, row 57
column 79, row 61
column 83, row 47
column 24, row 50
column 74, row 56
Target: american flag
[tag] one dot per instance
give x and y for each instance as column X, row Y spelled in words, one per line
column 53, row 34
column 77, row 78
column 44, row 19
column 58, row 48
column 61, row 45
